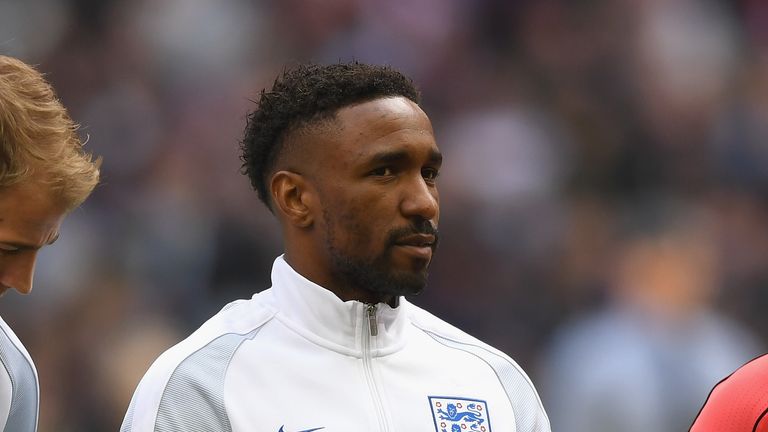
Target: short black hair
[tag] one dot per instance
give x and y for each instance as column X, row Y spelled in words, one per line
column 305, row 94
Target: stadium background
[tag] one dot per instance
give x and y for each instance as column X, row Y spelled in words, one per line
column 604, row 211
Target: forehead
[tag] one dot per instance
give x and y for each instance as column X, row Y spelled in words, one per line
column 29, row 215
column 383, row 124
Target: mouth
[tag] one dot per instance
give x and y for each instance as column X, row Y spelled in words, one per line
column 417, row 241
column 419, row 246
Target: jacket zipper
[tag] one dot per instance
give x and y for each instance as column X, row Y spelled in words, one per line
column 372, row 325
column 372, row 331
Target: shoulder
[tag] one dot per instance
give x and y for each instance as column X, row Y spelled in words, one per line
column 755, row 371
column 451, row 336
column 739, row 398
column 189, row 377
column 236, row 322
column 19, row 389
column 518, row 386
column 11, row 348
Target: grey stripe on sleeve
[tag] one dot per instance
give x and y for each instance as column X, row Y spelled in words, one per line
column 128, row 420
column 22, row 416
column 529, row 414
column 193, row 400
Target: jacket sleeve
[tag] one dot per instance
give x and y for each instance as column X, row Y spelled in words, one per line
column 185, row 393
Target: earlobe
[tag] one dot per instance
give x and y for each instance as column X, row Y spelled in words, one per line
column 291, row 198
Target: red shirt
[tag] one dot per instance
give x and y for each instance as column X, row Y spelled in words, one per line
column 739, row 403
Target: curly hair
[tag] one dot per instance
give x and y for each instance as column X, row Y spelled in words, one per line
column 305, row 95
column 38, row 139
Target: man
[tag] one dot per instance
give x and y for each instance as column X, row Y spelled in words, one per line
column 346, row 160
column 642, row 360
column 44, row 173
column 739, row 402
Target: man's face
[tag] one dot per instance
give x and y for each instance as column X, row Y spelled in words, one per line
column 377, row 185
column 29, row 220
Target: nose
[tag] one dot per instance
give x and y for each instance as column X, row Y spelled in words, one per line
column 421, row 200
column 17, row 271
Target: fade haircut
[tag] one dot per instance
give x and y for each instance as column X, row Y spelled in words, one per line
column 38, row 140
column 306, row 95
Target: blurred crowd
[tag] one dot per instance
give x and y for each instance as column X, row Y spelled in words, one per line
column 604, row 197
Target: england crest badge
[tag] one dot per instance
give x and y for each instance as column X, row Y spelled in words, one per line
column 454, row 414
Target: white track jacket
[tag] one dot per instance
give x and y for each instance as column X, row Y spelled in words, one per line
column 19, row 389
column 295, row 358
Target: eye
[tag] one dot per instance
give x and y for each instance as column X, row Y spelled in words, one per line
column 382, row 171
column 8, row 250
column 430, row 174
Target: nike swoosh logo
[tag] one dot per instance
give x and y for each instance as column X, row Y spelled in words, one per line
column 305, row 430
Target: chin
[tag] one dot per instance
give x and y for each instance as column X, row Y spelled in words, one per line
column 386, row 275
column 405, row 283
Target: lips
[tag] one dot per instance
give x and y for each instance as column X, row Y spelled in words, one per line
column 417, row 240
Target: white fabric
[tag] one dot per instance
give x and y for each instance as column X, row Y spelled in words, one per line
column 6, row 393
column 25, row 393
column 6, row 389
column 304, row 359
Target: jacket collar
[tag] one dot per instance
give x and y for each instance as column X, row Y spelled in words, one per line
column 319, row 315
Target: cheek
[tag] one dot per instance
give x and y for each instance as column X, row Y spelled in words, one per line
column 354, row 225
column 357, row 226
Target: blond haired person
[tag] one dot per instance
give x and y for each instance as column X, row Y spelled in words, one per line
column 44, row 173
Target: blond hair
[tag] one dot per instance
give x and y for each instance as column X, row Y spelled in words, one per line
column 38, row 139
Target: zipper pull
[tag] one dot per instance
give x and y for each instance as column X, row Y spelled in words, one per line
column 372, row 320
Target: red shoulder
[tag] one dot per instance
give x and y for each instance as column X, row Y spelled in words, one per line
column 738, row 402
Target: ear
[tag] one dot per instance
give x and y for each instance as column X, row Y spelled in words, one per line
column 292, row 197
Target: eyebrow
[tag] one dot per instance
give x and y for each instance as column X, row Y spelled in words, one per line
column 396, row 156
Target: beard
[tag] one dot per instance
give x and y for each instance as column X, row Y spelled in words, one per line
column 376, row 274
